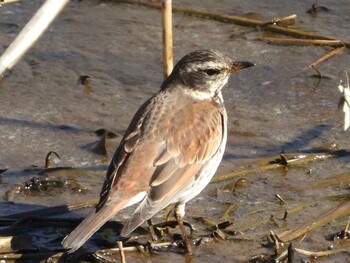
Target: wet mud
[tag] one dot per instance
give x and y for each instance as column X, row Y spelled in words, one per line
column 77, row 89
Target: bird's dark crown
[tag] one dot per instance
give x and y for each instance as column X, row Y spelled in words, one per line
column 204, row 71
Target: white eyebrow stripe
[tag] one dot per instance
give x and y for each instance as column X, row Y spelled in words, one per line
column 208, row 65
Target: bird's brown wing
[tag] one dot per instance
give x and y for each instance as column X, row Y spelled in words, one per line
column 112, row 200
column 123, row 152
column 194, row 136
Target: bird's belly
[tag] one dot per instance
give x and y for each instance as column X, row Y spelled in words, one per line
column 203, row 177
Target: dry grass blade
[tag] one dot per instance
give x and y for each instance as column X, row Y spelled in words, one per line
column 321, row 253
column 281, row 256
column 48, row 159
column 207, row 222
column 341, row 179
column 249, row 222
column 235, row 20
column 295, row 160
column 231, row 209
column 297, row 41
column 335, row 213
column 204, row 14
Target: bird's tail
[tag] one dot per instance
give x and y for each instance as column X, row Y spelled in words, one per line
column 89, row 226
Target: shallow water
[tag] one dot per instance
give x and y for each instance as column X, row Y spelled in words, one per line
column 275, row 106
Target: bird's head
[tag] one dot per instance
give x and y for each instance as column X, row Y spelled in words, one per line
column 204, row 73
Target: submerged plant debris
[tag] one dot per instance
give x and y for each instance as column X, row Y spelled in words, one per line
column 281, row 193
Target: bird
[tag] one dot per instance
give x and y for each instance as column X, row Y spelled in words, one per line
column 171, row 149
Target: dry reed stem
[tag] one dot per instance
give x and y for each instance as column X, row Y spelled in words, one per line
column 167, row 37
column 30, row 33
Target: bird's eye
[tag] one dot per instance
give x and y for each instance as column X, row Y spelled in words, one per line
column 211, row 72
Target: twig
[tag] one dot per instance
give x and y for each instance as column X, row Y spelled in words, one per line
column 30, row 33
column 281, row 199
column 327, row 56
column 151, row 230
column 319, row 74
column 121, row 250
column 334, row 52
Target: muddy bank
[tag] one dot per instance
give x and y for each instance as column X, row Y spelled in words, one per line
column 275, row 106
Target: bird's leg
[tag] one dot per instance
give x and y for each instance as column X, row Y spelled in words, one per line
column 179, row 212
column 151, row 230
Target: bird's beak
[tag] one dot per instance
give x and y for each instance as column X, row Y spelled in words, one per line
column 240, row 65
